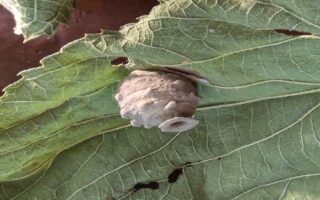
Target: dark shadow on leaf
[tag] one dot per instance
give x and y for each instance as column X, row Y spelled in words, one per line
column 151, row 185
column 174, row 175
column 292, row 32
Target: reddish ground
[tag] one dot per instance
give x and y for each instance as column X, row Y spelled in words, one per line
column 88, row 17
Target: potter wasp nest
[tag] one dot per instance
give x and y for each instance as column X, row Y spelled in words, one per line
column 158, row 98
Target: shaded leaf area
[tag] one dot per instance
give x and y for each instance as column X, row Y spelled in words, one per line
column 258, row 135
column 35, row 18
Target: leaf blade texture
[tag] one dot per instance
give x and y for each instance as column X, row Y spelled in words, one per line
column 258, row 136
column 35, row 18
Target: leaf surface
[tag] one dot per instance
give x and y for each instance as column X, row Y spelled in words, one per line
column 258, row 136
column 35, row 18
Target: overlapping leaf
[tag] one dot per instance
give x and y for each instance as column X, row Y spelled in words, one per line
column 258, row 136
column 35, row 18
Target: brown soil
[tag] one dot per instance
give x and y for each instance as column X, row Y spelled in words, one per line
column 88, row 17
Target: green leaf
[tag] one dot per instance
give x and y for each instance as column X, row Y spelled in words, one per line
column 258, row 136
column 35, row 18
column 51, row 108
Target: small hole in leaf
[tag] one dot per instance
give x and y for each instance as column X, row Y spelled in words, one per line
column 173, row 177
column 120, row 61
column 151, row 185
column 177, row 124
column 292, row 32
column 219, row 158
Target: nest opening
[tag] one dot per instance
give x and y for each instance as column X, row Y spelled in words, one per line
column 177, row 124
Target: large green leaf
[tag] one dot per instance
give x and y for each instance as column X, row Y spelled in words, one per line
column 35, row 18
column 258, row 136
